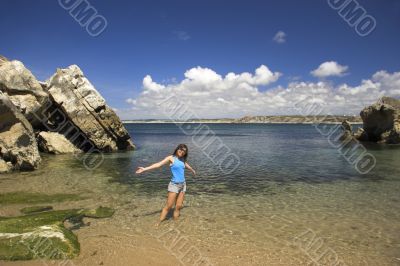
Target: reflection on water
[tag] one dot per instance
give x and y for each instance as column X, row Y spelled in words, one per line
column 288, row 175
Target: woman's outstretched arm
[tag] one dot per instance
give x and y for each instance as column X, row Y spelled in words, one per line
column 167, row 159
column 190, row 168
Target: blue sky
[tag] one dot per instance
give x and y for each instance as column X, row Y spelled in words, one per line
column 164, row 39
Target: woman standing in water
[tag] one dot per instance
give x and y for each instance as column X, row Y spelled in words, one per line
column 177, row 185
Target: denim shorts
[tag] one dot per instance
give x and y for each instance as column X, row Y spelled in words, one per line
column 177, row 187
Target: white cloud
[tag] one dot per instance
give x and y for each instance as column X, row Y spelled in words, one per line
column 330, row 68
column 280, row 37
column 203, row 75
column 131, row 101
column 211, row 95
column 389, row 81
column 149, row 85
column 182, row 35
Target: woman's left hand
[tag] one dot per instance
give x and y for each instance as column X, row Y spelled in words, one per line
column 140, row 170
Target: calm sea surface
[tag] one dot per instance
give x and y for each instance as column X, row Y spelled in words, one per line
column 293, row 199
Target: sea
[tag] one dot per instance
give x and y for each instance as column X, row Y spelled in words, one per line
column 263, row 194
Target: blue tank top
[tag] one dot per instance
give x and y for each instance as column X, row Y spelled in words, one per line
column 178, row 171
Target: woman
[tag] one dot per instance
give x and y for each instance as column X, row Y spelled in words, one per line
column 177, row 185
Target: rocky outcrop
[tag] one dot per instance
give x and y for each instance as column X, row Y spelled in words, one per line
column 66, row 113
column 23, row 90
column 55, row 143
column 347, row 130
column 87, row 110
column 18, row 147
column 381, row 121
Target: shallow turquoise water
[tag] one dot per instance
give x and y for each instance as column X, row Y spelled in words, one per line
column 293, row 199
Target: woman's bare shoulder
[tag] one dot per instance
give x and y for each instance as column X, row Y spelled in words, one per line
column 170, row 158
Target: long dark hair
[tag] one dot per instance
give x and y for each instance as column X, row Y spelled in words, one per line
column 182, row 146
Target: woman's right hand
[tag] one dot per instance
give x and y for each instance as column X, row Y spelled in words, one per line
column 140, row 170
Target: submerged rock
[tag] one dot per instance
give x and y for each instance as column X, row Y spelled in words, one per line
column 18, row 147
column 35, row 209
column 381, row 121
column 32, row 198
column 100, row 212
column 23, row 89
column 55, row 143
column 87, row 110
column 42, row 235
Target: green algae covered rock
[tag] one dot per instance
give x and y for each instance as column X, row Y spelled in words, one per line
column 34, row 209
column 43, row 234
column 32, row 198
column 47, row 241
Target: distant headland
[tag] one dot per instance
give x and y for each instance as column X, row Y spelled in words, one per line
column 279, row 119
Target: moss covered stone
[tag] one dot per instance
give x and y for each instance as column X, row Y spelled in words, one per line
column 34, row 209
column 43, row 235
column 47, row 241
column 26, row 197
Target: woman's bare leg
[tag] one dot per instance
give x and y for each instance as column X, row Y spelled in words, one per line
column 171, row 198
column 179, row 204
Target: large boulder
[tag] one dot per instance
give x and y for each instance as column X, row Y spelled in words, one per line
column 382, row 121
column 23, row 89
column 55, row 143
column 73, row 93
column 18, row 148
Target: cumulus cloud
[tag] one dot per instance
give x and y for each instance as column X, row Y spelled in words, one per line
column 280, row 37
column 330, row 68
column 149, row 85
column 210, row 95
